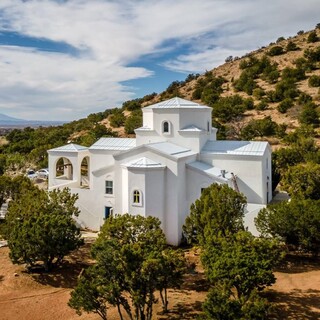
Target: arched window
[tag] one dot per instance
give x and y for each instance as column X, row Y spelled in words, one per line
column 136, row 197
column 165, row 127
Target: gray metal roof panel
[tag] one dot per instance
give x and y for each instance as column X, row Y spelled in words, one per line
column 253, row 148
column 171, row 149
column 114, row 144
column 191, row 129
column 72, row 147
column 176, row 103
column 168, row 148
column 144, row 163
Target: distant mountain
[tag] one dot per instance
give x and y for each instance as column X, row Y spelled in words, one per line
column 4, row 117
column 10, row 122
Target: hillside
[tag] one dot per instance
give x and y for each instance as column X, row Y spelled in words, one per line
column 275, row 81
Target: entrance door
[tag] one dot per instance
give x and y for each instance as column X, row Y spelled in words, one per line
column 107, row 212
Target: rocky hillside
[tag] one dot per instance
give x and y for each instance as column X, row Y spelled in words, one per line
column 279, row 83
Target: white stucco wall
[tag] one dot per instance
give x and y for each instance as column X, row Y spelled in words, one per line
column 248, row 171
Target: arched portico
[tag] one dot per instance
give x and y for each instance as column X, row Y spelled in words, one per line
column 64, row 169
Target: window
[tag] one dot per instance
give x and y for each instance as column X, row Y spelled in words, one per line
column 208, row 127
column 136, row 197
column 109, row 187
column 165, row 127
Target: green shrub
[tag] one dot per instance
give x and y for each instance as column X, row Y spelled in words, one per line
column 309, row 115
column 133, row 122
column 291, row 46
column 262, row 105
column 228, row 108
column 131, row 105
column 259, row 128
column 117, row 118
column 285, row 105
column 312, row 37
column 275, row 51
column 314, row 81
column 258, row 93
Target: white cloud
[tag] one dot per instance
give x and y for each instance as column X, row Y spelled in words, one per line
column 111, row 35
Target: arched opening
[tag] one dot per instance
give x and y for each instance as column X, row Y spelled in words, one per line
column 165, row 127
column 84, row 173
column 64, row 169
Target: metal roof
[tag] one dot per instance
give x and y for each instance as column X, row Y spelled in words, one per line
column 70, row 148
column 191, row 129
column 144, row 163
column 176, row 103
column 170, row 149
column 210, row 170
column 252, row 148
column 114, row 144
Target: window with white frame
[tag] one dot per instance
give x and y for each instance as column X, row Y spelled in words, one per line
column 109, row 187
column 137, row 198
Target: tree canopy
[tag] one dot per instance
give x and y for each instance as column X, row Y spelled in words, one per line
column 219, row 210
column 40, row 227
column 133, row 262
column 296, row 222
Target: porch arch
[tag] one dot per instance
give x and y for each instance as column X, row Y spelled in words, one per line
column 85, row 172
column 64, row 169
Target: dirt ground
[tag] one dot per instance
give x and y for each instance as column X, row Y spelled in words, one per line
column 40, row 296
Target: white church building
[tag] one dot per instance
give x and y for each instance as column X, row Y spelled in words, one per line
column 163, row 170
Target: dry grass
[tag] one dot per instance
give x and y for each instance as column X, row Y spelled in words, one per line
column 41, row 296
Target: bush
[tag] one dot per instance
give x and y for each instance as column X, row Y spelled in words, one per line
column 285, row 105
column 228, row 108
column 117, row 118
column 245, row 82
column 133, row 122
column 312, row 55
column 296, row 222
column 262, row 105
column 259, row 128
column 275, row 51
column 42, row 227
column 312, row 37
column 132, row 105
column 258, row 93
column 309, row 115
column 314, row 81
column 291, row 46
column 300, row 32
column 280, row 39
column 293, row 74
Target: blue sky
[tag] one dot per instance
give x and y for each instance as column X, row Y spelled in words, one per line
column 62, row 60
